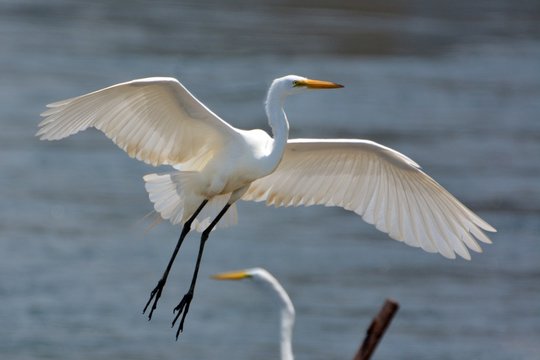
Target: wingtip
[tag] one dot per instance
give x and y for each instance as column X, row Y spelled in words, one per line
column 39, row 134
column 483, row 224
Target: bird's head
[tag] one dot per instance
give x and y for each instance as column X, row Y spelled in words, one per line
column 253, row 273
column 258, row 275
column 264, row 279
column 292, row 84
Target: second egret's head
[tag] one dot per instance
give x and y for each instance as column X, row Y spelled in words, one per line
column 253, row 273
column 292, row 84
column 259, row 275
column 263, row 278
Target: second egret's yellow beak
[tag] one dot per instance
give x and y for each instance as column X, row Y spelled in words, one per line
column 318, row 84
column 232, row 275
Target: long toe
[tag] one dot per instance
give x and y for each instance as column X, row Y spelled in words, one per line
column 154, row 295
column 182, row 309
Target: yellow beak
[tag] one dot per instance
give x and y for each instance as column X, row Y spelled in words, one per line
column 232, row 275
column 318, row 84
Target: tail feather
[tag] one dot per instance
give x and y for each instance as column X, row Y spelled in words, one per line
column 175, row 200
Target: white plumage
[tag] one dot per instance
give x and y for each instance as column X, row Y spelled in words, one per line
column 169, row 192
column 158, row 121
column 383, row 186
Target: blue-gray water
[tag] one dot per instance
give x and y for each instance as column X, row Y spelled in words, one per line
column 453, row 84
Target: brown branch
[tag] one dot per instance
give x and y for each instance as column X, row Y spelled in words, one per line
column 376, row 330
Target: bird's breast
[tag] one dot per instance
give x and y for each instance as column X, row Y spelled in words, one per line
column 240, row 173
column 242, row 163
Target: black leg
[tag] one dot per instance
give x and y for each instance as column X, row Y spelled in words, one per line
column 183, row 307
column 156, row 293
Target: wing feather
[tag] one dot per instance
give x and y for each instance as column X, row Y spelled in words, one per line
column 395, row 223
column 383, row 186
column 156, row 120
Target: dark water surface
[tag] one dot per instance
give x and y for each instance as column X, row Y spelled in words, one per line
column 454, row 85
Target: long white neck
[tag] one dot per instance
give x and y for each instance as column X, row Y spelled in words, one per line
column 286, row 322
column 278, row 122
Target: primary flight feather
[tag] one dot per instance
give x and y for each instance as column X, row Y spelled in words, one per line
column 158, row 121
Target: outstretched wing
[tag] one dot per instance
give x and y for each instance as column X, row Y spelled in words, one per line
column 156, row 120
column 383, row 186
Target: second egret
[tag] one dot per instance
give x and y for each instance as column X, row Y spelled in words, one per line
column 286, row 308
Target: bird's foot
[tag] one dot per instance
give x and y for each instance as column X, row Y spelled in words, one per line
column 155, row 295
column 182, row 309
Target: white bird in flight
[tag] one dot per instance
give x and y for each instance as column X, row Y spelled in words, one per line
column 158, row 121
column 286, row 308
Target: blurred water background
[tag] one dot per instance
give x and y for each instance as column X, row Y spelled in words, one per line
column 453, row 84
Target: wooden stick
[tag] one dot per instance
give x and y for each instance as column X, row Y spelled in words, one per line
column 376, row 330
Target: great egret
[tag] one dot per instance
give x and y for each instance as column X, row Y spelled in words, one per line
column 264, row 278
column 157, row 120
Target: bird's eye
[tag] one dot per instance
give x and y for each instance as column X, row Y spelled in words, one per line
column 295, row 83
